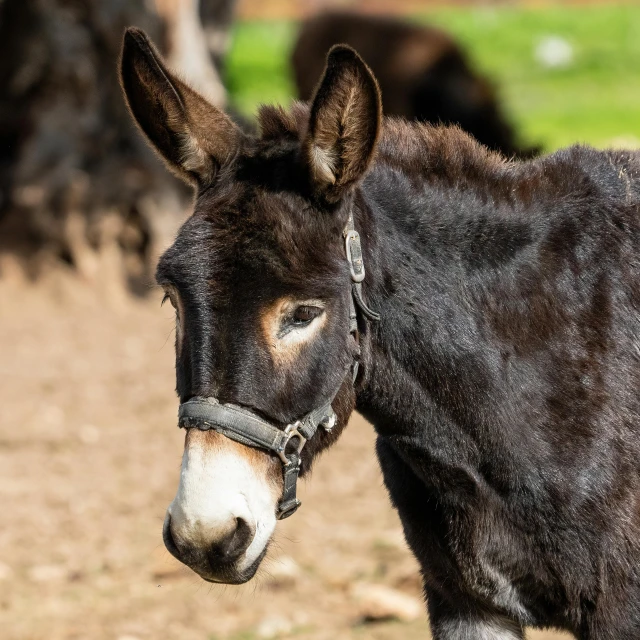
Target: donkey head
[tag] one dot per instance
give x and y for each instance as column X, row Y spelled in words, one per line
column 260, row 284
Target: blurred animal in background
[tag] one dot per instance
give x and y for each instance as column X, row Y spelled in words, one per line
column 423, row 74
column 77, row 184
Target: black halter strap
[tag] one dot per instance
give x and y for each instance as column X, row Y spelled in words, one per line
column 247, row 427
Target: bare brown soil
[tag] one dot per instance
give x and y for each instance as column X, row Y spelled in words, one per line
column 89, row 459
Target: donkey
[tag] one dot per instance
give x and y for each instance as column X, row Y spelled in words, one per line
column 495, row 331
column 423, row 73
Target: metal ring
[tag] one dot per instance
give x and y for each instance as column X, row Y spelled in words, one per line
column 291, row 431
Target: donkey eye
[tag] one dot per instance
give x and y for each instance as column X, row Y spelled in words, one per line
column 305, row 314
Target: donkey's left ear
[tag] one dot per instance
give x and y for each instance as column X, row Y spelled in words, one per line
column 344, row 124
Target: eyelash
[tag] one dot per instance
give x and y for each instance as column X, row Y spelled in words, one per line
column 170, row 298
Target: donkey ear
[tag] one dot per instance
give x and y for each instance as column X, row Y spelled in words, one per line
column 193, row 136
column 344, row 123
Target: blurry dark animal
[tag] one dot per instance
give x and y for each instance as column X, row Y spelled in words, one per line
column 502, row 373
column 422, row 72
column 76, row 180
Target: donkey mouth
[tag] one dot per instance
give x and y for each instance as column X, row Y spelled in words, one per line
column 226, row 575
column 210, row 567
column 232, row 575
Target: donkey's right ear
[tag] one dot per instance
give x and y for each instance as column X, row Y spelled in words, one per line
column 193, row 136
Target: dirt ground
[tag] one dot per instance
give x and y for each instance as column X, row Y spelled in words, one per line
column 89, row 460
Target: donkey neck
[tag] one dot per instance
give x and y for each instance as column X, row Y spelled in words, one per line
column 434, row 247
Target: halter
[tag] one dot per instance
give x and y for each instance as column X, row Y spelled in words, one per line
column 247, row 427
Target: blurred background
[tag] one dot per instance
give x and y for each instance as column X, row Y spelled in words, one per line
column 89, row 452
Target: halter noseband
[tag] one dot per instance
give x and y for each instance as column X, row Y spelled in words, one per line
column 247, row 427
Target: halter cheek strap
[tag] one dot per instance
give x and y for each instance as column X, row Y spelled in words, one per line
column 247, row 427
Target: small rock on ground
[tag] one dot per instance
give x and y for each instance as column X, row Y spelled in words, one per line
column 284, row 571
column 5, row 571
column 273, row 627
column 379, row 602
column 48, row 573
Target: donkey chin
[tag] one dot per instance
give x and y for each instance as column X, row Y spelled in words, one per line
column 223, row 516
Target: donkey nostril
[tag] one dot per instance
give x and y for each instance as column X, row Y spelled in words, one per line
column 233, row 545
column 167, row 537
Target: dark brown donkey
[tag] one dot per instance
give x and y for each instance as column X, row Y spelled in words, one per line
column 423, row 73
column 502, row 374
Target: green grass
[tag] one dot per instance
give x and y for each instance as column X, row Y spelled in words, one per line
column 596, row 99
column 258, row 70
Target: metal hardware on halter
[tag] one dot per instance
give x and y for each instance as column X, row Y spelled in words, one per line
column 291, row 431
column 354, row 255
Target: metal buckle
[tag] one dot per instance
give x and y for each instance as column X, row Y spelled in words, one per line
column 291, row 430
column 356, row 265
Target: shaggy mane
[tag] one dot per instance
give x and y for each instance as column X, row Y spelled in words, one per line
column 275, row 122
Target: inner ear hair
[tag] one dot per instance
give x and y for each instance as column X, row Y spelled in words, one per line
column 344, row 123
column 191, row 135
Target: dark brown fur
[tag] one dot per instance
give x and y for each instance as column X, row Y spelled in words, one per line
column 503, row 376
